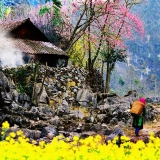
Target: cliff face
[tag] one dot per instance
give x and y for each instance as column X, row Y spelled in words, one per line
column 144, row 53
column 142, row 70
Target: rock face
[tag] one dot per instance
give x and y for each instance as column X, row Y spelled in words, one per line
column 66, row 105
column 116, row 132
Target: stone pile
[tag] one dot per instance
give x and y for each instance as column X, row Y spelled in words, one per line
column 66, row 105
column 63, row 84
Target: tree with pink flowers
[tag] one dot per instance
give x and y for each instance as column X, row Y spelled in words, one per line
column 107, row 24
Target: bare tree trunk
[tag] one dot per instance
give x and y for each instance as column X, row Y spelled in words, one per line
column 102, row 69
column 34, row 81
column 89, row 50
column 89, row 41
column 108, row 77
column 86, row 65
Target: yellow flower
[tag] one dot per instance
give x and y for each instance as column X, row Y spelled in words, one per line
column 19, row 133
column 5, row 125
column 98, row 138
column 60, row 136
column 151, row 133
column 8, row 138
column 75, row 138
column 91, row 148
column 67, row 139
column 12, row 141
column 41, row 144
column 2, row 133
column 12, row 134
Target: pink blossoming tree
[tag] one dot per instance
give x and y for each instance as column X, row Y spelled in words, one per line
column 107, row 23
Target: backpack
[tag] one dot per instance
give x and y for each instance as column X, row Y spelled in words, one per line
column 137, row 108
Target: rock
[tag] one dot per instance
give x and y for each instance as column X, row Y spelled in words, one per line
column 101, row 117
column 113, row 99
column 78, row 113
column 84, row 97
column 114, row 121
column 105, row 129
column 4, row 82
column 55, row 121
column 14, row 106
column 27, row 106
column 11, row 84
column 33, row 134
column 121, row 124
column 63, row 110
column 97, row 127
column 94, row 100
column 15, row 95
column 43, row 98
column 23, row 98
column 49, row 130
column 6, row 98
column 154, row 121
column 47, row 111
column 131, row 96
column 35, row 111
column 115, row 132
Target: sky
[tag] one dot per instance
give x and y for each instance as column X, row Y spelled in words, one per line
column 17, row 2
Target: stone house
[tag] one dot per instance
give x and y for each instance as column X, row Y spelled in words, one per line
column 33, row 43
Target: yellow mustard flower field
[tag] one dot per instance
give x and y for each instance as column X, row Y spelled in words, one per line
column 17, row 147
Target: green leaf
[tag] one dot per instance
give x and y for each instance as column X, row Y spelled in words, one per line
column 136, row 81
column 57, row 3
column 44, row 10
column 121, row 81
column 56, row 10
column 57, row 19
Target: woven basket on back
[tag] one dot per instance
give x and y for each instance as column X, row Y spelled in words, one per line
column 137, row 107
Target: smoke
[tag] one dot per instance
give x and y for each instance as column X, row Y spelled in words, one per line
column 10, row 55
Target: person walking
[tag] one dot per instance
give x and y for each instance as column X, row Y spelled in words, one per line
column 138, row 118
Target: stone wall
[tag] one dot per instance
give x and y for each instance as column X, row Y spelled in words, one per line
column 66, row 104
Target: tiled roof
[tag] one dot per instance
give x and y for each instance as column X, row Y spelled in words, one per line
column 33, row 47
column 11, row 25
column 25, row 45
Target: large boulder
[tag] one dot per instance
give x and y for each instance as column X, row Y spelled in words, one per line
column 49, row 131
column 85, row 97
column 42, row 97
column 116, row 132
column 4, row 83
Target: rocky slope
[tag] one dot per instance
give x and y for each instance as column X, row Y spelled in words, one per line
column 62, row 102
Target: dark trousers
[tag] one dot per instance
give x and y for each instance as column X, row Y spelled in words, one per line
column 137, row 131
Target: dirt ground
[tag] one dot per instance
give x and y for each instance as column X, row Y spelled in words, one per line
column 153, row 126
